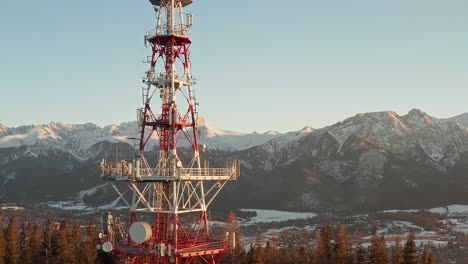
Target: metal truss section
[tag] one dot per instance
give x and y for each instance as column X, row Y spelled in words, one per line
column 169, row 187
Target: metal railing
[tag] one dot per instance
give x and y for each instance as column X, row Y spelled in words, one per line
column 164, row 29
column 123, row 170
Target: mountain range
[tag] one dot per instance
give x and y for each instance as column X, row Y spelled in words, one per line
column 378, row 160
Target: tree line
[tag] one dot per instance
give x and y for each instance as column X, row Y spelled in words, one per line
column 52, row 243
column 328, row 247
column 69, row 242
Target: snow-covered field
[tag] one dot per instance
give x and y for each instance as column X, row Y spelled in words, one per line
column 454, row 212
column 268, row 216
column 450, row 209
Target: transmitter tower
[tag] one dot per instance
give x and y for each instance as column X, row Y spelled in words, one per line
column 170, row 195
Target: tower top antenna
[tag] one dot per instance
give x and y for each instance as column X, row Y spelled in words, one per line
column 162, row 2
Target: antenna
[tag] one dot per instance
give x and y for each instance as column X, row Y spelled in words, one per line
column 165, row 190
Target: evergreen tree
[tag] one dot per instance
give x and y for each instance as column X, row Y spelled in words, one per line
column 300, row 255
column 410, row 253
column 283, row 256
column 47, row 242
column 89, row 245
column 250, row 254
column 13, row 246
column 427, row 257
column 342, row 248
column 36, row 245
column 64, row 244
column 270, row 253
column 361, row 255
column 76, row 243
column 383, row 254
column 378, row 249
column 237, row 252
column 431, row 259
column 272, row 250
column 25, row 244
column 2, row 247
column 258, row 256
column 324, row 247
column 397, row 253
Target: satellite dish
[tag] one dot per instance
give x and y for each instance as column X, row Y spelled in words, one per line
column 107, row 247
column 200, row 121
column 140, row 232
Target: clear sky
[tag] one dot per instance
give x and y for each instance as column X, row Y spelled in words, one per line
column 260, row 65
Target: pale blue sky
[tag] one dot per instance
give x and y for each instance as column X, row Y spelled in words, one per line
column 259, row 64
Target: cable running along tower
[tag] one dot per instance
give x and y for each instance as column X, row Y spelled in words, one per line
column 169, row 199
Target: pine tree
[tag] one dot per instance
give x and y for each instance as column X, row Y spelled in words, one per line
column 250, row 254
column 258, row 256
column 342, row 247
column 431, row 259
column 283, row 256
column 410, row 253
column 269, row 252
column 427, row 257
column 383, row 254
column 36, row 245
column 324, row 247
column 272, row 251
column 13, row 246
column 361, row 255
column 55, row 246
column 76, row 243
column 397, row 253
column 89, row 245
column 25, row 245
column 64, row 245
column 300, row 255
column 377, row 250
column 2, row 247
column 47, row 242
column 237, row 251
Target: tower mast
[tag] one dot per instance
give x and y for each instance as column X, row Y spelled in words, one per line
column 173, row 186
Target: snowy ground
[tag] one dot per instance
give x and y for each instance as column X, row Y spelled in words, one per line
column 268, row 216
column 450, row 209
column 457, row 216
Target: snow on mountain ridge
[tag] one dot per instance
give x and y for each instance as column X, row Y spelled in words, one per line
column 219, row 139
column 440, row 140
column 78, row 138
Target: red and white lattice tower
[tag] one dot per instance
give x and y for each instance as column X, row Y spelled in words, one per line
column 175, row 189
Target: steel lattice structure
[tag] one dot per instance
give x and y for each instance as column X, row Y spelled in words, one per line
column 170, row 188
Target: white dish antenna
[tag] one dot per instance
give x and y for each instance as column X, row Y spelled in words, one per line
column 107, row 247
column 140, row 232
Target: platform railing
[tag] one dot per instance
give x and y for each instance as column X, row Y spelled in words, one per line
column 124, row 171
column 164, row 29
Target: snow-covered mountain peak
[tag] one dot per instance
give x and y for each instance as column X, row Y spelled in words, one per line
column 272, row 132
column 212, row 132
column 215, row 138
column 307, row 129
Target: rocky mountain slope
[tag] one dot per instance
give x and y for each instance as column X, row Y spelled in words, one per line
column 370, row 161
